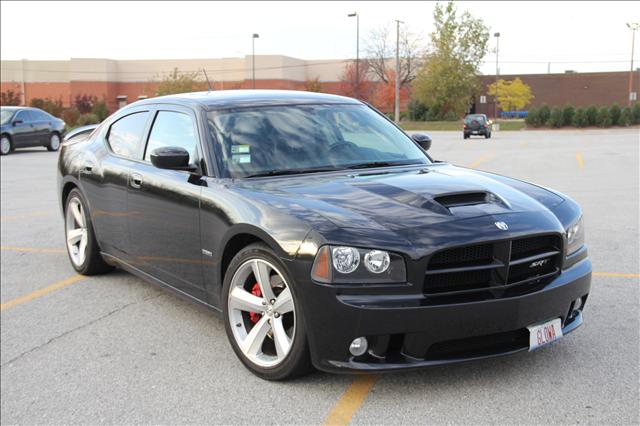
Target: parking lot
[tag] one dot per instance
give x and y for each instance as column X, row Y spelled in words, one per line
column 114, row 349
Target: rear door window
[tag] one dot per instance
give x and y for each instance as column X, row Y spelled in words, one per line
column 25, row 116
column 125, row 135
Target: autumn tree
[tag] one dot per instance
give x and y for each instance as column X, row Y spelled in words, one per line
column 385, row 93
column 360, row 87
column 512, row 95
column 313, row 85
column 448, row 80
column 380, row 53
column 180, row 82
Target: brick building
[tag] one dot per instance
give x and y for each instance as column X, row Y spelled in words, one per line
column 119, row 82
column 577, row 89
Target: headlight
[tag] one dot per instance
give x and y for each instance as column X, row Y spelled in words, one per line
column 575, row 236
column 344, row 265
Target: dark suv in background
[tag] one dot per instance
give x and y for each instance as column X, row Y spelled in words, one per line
column 476, row 124
column 23, row 127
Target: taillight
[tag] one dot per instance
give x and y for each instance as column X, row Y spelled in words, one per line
column 464, row 126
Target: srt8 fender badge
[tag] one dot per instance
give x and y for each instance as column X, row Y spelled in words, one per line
column 501, row 225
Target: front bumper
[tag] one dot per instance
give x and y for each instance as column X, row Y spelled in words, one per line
column 405, row 332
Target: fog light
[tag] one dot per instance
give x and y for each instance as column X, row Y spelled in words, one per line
column 577, row 304
column 358, row 346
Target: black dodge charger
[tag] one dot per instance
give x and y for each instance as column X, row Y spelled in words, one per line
column 325, row 235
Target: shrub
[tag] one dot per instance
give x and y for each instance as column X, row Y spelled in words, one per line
column 10, row 98
column 533, row 118
column 100, row 110
column 604, row 118
column 592, row 115
column 88, row 118
column 450, row 116
column 84, row 103
column 580, row 118
column 635, row 112
column 418, row 110
column 567, row 115
column 70, row 116
column 556, row 119
column 544, row 114
column 626, row 117
column 615, row 112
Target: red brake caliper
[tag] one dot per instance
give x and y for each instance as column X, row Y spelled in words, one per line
column 254, row 317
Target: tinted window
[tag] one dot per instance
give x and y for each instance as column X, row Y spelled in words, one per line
column 479, row 118
column 172, row 129
column 40, row 115
column 125, row 134
column 258, row 140
column 24, row 115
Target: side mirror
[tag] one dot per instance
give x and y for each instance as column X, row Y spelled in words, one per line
column 16, row 122
column 170, row 157
column 423, row 140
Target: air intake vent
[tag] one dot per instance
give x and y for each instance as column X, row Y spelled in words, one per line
column 462, row 199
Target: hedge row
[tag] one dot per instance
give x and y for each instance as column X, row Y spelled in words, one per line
column 85, row 110
column 582, row 117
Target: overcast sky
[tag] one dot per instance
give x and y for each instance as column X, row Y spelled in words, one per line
column 583, row 36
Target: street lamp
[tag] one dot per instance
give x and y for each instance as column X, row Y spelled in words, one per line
column 633, row 27
column 495, row 97
column 397, row 105
column 352, row 15
column 253, row 58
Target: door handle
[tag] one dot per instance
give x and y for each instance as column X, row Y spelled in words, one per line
column 136, row 180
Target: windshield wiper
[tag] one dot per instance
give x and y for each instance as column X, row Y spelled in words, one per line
column 284, row 172
column 373, row 164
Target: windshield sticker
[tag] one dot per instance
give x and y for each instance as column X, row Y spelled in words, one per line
column 240, row 149
column 241, row 158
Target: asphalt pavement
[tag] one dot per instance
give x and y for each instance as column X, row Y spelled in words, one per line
column 116, row 350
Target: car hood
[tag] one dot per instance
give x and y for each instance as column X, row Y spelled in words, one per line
column 399, row 199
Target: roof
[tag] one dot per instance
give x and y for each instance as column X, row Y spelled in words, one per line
column 242, row 98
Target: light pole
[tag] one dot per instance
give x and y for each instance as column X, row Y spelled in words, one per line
column 352, row 15
column 253, row 58
column 495, row 97
column 633, row 27
column 397, row 106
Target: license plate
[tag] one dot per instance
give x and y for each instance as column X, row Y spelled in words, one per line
column 475, row 132
column 545, row 333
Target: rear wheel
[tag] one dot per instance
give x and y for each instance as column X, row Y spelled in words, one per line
column 263, row 318
column 82, row 246
column 54, row 142
column 5, row 145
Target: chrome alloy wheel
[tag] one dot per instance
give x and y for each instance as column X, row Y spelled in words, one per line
column 77, row 237
column 54, row 142
column 261, row 313
column 5, row 145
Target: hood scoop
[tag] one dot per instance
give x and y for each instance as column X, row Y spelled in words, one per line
column 461, row 199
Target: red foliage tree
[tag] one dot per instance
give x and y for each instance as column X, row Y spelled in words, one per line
column 360, row 88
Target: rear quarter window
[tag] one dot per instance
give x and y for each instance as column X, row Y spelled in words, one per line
column 125, row 135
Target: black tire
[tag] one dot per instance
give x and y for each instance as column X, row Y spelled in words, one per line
column 53, row 146
column 6, row 145
column 465, row 136
column 487, row 135
column 93, row 263
column 298, row 361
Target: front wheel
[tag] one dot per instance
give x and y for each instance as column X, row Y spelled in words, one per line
column 5, row 145
column 82, row 246
column 54, row 142
column 263, row 317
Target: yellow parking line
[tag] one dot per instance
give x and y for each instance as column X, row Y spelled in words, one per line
column 579, row 160
column 39, row 293
column 32, row 249
column 615, row 274
column 26, row 215
column 351, row 400
column 481, row 160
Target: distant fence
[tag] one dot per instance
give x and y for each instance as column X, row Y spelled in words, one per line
column 514, row 114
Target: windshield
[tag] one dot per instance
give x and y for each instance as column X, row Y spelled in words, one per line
column 291, row 139
column 479, row 118
column 5, row 115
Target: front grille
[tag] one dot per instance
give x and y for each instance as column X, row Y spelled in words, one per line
column 493, row 269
